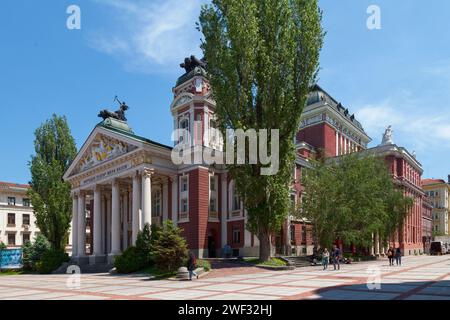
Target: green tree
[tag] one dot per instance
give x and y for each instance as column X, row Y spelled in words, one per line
column 353, row 198
column 262, row 57
column 50, row 194
column 170, row 248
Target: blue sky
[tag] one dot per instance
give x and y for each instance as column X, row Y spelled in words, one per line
column 399, row 75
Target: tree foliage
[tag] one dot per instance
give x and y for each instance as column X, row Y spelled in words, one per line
column 262, row 59
column 352, row 198
column 50, row 195
column 170, row 248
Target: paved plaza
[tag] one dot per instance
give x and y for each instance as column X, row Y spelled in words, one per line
column 420, row 278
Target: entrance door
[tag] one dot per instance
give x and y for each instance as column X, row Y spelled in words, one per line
column 211, row 247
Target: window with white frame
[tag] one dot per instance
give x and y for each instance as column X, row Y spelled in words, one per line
column 184, row 184
column 156, row 201
column 184, row 205
column 183, row 125
column 236, row 204
column 212, row 205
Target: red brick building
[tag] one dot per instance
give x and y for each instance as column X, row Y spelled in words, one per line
column 122, row 181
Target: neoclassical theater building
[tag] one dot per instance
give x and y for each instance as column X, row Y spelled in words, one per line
column 122, row 181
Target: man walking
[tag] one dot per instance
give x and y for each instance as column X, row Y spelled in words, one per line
column 336, row 255
column 398, row 256
column 325, row 258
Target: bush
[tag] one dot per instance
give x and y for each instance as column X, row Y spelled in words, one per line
column 144, row 243
column 170, row 248
column 33, row 252
column 131, row 260
column 206, row 265
column 2, row 245
column 51, row 260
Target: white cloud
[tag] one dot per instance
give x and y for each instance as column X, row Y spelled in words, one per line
column 151, row 36
column 416, row 124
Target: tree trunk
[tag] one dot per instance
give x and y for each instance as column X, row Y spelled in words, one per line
column 264, row 246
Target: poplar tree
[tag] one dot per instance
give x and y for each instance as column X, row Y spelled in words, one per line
column 262, row 59
column 49, row 193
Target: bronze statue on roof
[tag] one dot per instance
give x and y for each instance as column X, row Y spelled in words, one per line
column 118, row 115
column 191, row 63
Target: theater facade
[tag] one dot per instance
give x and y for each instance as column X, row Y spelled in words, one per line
column 121, row 181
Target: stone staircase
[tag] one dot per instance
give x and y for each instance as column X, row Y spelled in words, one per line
column 298, row 262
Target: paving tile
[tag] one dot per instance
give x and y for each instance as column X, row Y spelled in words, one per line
column 182, row 294
column 279, row 291
column 240, row 296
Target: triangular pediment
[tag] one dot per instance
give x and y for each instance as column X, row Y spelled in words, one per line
column 100, row 148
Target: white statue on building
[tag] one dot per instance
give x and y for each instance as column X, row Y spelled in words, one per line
column 387, row 136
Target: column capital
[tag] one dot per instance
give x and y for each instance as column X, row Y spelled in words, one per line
column 173, row 178
column 147, row 173
column 98, row 187
column 224, row 176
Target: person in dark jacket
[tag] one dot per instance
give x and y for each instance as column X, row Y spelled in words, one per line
column 336, row 255
column 390, row 255
column 398, row 256
column 191, row 265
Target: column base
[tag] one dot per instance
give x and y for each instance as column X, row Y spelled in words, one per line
column 96, row 259
column 80, row 260
column 112, row 257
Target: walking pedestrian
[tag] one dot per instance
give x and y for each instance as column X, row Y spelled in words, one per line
column 390, row 255
column 325, row 258
column 398, row 256
column 191, row 265
column 336, row 254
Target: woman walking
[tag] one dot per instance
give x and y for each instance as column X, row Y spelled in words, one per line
column 191, row 265
column 325, row 258
column 390, row 255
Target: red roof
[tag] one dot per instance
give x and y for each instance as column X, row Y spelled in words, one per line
column 4, row 185
column 432, row 181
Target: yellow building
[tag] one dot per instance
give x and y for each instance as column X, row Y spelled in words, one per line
column 438, row 192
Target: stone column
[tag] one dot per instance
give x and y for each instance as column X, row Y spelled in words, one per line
column 125, row 221
column 108, row 223
column 97, row 232
column 136, row 207
column 175, row 200
column 147, row 197
column 372, row 246
column 74, row 225
column 165, row 200
column 103, row 243
column 115, row 219
column 224, row 211
column 377, row 244
column 81, row 224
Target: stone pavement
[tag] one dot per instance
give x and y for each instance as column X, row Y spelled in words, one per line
column 420, row 278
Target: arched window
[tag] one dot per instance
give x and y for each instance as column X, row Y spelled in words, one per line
column 184, row 125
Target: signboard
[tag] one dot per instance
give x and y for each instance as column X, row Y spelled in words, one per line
column 10, row 258
column 106, row 174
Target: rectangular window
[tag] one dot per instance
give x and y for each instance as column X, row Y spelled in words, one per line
column 26, row 219
column 25, row 238
column 184, row 205
column 212, row 205
column 304, row 234
column 11, row 201
column 236, row 236
column 11, row 239
column 11, row 219
column 26, row 202
column 212, row 183
column 184, row 184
